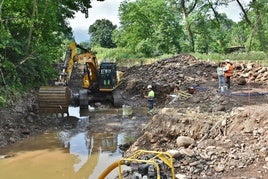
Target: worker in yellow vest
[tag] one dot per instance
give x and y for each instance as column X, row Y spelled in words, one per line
column 150, row 99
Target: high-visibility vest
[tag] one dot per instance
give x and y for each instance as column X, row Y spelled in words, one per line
column 229, row 69
column 151, row 94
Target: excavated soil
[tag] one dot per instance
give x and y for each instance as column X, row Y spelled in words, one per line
column 209, row 133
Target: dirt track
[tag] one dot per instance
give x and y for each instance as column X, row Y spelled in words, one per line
column 226, row 134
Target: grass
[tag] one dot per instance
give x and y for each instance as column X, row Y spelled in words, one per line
column 125, row 57
column 251, row 57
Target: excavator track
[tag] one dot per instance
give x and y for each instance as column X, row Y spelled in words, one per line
column 54, row 99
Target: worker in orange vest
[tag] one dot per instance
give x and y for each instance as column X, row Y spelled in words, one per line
column 228, row 71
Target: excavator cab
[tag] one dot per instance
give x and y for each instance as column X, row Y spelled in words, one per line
column 107, row 76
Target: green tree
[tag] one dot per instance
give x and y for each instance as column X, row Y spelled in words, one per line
column 206, row 29
column 258, row 23
column 149, row 27
column 252, row 30
column 219, row 26
column 101, row 33
column 32, row 35
column 186, row 8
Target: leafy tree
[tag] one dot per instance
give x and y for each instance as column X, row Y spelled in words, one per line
column 238, row 34
column 101, row 33
column 148, row 26
column 32, row 35
column 206, row 29
column 254, row 24
column 259, row 23
column 187, row 8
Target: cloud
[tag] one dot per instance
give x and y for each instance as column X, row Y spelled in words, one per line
column 107, row 9
column 233, row 10
column 81, row 35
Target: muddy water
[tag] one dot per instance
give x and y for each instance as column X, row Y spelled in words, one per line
column 75, row 153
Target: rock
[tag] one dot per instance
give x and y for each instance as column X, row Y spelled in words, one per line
column 187, row 152
column 219, row 168
column 11, row 130
column 6, row 156
column 174, row 153
column 12, row 140
column 180, row 176
column 241, row 81
column 263, row 152
column 184, row 141
column 97, row 104
column 248, row 126
column 195, row 163
column 26, row 132
column 219, row 108
column 204, row 156
column 30, row 118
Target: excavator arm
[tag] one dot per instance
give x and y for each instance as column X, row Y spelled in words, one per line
column 71, row 57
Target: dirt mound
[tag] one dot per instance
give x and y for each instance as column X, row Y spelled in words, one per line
column 165, row 75
column 210, row 134
column 210, row 145
column 184, row 71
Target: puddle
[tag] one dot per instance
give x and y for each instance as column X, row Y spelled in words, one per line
column 79, row 153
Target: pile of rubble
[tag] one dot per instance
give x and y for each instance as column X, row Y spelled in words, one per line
column 209, row 145
column 165, row 75
column 184, row 71
column 210, row 134
column 255, row 73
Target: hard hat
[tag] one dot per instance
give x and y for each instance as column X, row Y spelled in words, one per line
column 149, row 86
column 227, row 61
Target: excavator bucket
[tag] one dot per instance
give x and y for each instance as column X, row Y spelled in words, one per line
column 54, row 99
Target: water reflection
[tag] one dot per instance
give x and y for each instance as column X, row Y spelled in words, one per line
column 89, row 150
column 90, row 146
column 80, row 152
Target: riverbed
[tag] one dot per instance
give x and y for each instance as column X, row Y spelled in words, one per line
column 80, row 151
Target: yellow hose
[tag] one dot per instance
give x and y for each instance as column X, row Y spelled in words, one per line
column 108, row 170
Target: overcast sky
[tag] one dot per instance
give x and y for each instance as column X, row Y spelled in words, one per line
column 108, row 9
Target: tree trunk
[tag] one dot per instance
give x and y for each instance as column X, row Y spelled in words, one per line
column 34, row 12
column 1, row 4
column 188, row 26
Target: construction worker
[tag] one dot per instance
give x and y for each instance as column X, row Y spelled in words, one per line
column 220, row 73
column 228, row 72
column 150, row 99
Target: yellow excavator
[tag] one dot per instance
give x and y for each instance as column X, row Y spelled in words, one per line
column 91, row 82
